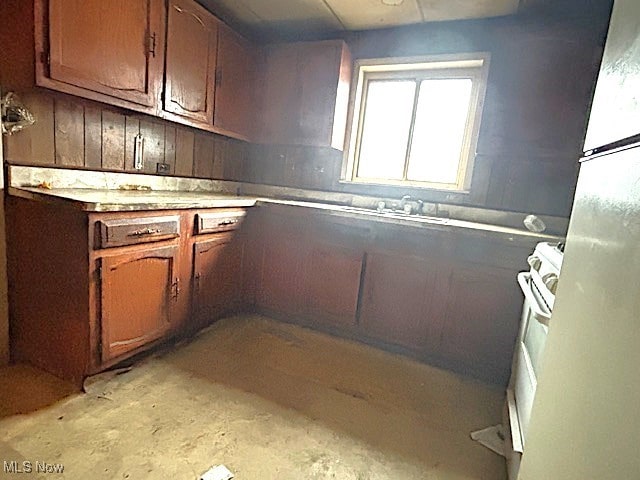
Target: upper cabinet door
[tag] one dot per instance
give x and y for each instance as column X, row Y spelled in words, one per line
column 192, row 41
column 281, row 97
column 306, row 95
column 323, row 98
column 111, row 47
column 235, row 77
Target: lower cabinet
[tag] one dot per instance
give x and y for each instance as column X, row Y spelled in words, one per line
column 103, row 286
column 138, row 294
column 399, row 301
column 310, row 273
column 217, row 277
column 332, row 284
column 447, row 298
column 282, row 249
column 100, row 287
column 480, row 313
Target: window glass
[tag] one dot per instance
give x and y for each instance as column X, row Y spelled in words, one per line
column 385, row 131
column 416, row 122
column 439, row 131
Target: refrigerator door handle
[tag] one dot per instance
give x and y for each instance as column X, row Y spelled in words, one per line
column 538, row 311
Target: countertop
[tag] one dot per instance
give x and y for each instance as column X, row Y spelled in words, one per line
column 96, row 200
column 416, row 221
column 93, row 200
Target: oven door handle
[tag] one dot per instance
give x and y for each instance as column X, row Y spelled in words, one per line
column 538, row 312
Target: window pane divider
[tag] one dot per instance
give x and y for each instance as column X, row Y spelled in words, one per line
column 412, row 126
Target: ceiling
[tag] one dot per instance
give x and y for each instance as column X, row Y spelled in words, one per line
column 317, row 16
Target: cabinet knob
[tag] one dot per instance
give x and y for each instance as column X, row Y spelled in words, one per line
column 534, row 262
column 551, row 282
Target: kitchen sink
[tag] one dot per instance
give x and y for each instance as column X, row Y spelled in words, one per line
column 398, row 214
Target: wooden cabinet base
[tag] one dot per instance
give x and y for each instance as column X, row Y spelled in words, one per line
column 79, row 305
column 48, row 288
column 446, row 298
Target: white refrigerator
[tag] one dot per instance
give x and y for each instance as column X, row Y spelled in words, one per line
column 585, row 421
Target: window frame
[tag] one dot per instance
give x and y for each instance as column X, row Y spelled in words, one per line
column 474, row 66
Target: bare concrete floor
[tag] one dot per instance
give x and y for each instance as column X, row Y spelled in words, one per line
column 270, row 401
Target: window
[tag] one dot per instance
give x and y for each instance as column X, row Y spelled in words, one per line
column 415, row 122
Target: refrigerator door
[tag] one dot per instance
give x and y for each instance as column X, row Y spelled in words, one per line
column 615, row 113
column 585, row 422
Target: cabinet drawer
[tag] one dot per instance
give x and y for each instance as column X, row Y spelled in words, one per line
column 129, row 231
column 214, row 222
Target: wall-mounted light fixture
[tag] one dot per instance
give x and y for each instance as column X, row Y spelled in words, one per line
column 15, row 116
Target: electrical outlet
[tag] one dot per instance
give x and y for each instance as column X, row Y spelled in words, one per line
column 163, row 168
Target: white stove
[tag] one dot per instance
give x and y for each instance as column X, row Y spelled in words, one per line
column 539, row 287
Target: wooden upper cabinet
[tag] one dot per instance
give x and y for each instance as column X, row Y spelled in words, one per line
column 138, row 293
column 306, row 93
column 113, row 48
column 114, row 52
column 235, row 84
column 324, row 70
column 280, row 94
column 192, row 43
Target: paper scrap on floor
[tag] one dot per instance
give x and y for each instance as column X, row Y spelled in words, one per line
column 218, row 472
column 491, row 437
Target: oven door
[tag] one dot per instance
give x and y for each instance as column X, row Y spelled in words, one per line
column 529, row 350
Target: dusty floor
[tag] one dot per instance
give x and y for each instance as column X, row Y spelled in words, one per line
column 270, row 401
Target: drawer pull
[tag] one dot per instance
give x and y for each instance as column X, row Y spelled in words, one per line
column 227, row 222
column 145, row 231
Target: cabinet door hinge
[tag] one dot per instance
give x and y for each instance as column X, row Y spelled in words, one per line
column 45, row 57
column 152, row 44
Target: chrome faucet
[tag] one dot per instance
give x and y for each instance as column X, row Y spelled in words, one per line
column 404, row 200
column 409, row 208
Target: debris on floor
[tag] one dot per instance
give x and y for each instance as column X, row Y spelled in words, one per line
column 491, row 437
column 269, row 400
column 219, row 472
